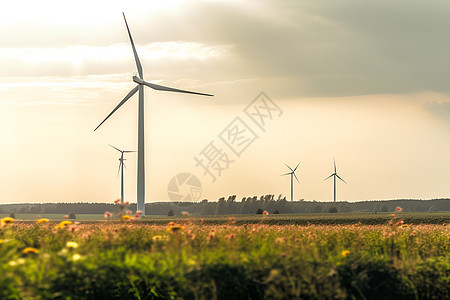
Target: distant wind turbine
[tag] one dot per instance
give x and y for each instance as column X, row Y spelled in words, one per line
column 292, row 173
column 334, row 179
column 121, row 165
column 141, row 149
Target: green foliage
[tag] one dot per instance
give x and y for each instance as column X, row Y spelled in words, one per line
column 227, row 260
column 72, row 216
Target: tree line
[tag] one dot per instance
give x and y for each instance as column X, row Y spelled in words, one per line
column 225, row 206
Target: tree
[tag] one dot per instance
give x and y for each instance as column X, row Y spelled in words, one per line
column 259, row 211
column 333, row 210
column 170, row 213
column 72, row 216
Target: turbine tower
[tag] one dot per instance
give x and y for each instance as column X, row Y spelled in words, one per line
column 121, row 165
column 334, row 175
column 292, row 173
column 141, row 149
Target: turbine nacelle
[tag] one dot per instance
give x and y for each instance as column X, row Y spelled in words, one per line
column 138, row 80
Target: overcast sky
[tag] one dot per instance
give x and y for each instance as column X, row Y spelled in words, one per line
column 362, row 82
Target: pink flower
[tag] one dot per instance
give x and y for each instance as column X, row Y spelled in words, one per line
column 265, row 212
column 107, row 214
column 398, row 208
column 117, row 201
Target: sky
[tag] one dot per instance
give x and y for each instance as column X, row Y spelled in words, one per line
column 364, row 83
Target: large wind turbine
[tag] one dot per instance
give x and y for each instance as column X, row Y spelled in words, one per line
column 141, row 149
column 292, row 173
column 121, row 165
column 334, row 175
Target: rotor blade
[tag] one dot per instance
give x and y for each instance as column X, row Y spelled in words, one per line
column 285, row 174
column 289, row 167
column 116, row 148
column 334, row 165
column 128, row 151
column 340, row 178
column 131, row 93
column 329, row 177
column 169, row 89
column 118, row 171
column 296, row 177
column 138, row 63
column 296, row 167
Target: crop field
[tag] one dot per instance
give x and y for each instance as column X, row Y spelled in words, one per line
column 248, row 257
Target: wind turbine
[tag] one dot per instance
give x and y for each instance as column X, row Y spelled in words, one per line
column 334, row 179
column 292, row 173
column 141, row 149
column 121, row 165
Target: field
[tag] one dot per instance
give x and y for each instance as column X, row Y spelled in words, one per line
column 340, row 256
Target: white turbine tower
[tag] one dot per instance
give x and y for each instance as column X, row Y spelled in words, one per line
column 121, row 166
column 141, row 149
column 334, row 175
column 292, row 173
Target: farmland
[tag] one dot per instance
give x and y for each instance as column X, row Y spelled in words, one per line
column 340, row 256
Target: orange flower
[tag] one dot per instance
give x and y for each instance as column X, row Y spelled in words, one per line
column 265, row 212
column 117, row 201
column 107, row 215
column 29, row 250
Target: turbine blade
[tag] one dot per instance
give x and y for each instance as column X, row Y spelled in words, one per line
column 138, row 63
column 334, row 165
column 340, row 178
column 131, row 93
column 116, row 148
column 169, row 89
column 329, row 177
column 128, row 151
column 118, row 171
column 285, row 174
column 296, row 167
column 289, row 167
column 296, row 177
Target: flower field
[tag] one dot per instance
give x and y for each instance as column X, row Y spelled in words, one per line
column 191, row 258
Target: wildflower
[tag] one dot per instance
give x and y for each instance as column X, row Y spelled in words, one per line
column 404, row 225
column 398, row 209
column 66, row 216
column 280, row 240
column 63, row 224
column 192, row 236
column 230, row 236
column 175, row 228
column 72, row 245
column 126, row 203
column 125, row 217
column 117, row 201
column 107, row 215
column 43, row 220
column 345, row 253
column 72, row 228
column 139, row 212
column 30, row 250
column 185, row 213
column 6, row 221
column 265, row 212
column 76, row 257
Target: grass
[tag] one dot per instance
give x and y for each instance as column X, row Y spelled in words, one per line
column 242, row 257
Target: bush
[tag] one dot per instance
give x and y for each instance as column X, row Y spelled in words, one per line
column 12, row 215
column 170, row 213
column 259, row 211
column 72, row 216
column 276, row 212
column 333, row 210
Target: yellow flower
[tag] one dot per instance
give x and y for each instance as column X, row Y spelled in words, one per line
column 157, row 238
column 72, row 245
column 43, row 220
column 175, row 228
column 125, row 217
column 6, row 220
column 405, row 225
column 345, row 253
column 63, row 224
column 76, row 257
column 30, row 250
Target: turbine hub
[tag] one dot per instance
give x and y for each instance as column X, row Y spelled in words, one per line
column 138, row 80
